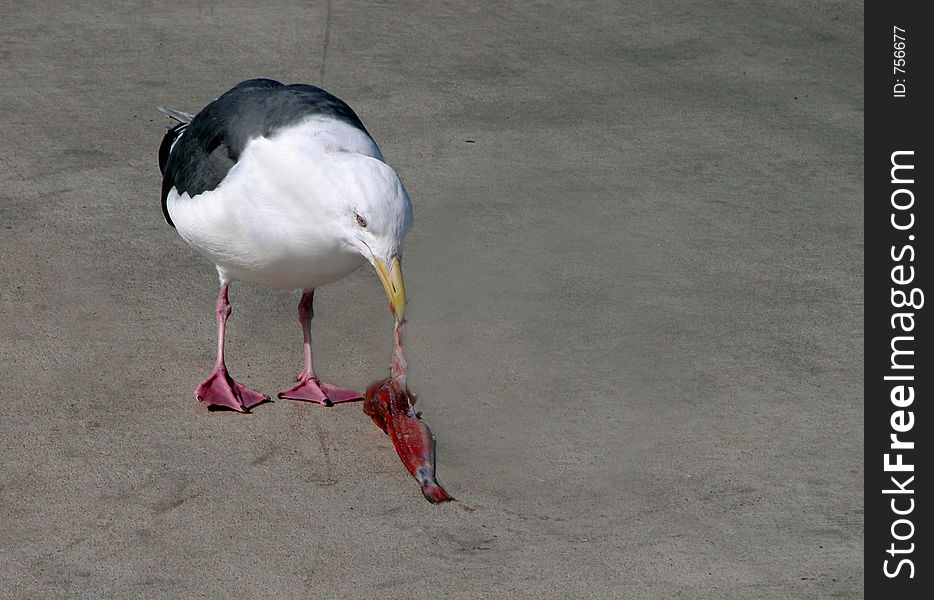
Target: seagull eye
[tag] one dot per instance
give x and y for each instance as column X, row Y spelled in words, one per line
column 360, row 220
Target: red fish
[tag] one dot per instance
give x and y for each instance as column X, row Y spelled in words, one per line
column 389, row 403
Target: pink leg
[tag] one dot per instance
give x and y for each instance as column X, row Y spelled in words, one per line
column 220, row 389
column 309, row 387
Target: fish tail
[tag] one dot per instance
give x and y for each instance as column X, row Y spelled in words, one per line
column 434, row 493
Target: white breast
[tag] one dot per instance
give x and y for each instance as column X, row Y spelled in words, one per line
column 274, row 219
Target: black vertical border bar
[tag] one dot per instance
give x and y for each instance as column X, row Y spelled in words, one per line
column 897, row 124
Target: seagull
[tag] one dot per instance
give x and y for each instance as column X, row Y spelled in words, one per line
column 282, row 186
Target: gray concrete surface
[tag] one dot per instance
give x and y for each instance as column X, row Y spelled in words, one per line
column 636, row 307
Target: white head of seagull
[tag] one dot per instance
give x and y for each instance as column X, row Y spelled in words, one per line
column 375, row 214
column 282, row 185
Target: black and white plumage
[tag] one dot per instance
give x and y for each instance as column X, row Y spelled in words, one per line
column 282, row 185
column 251, row 109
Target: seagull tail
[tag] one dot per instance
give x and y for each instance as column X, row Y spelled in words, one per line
column 175, row 114
column 172, row 135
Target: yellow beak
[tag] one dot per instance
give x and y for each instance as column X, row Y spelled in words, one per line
column 394, row 286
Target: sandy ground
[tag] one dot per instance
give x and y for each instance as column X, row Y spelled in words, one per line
column 635, row 321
